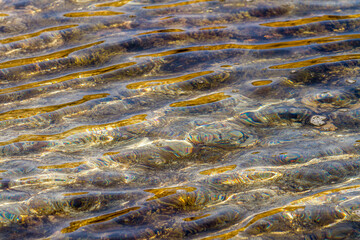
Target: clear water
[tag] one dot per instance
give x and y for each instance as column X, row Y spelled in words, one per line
column 191, row 119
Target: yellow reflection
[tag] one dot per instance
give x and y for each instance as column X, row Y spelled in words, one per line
column 261, row 82
column 92, row 14
column 315, row 61
column 320, row 194
column 291, row 207
column 75, row 225
column 210, row 28
column 87, row 128
column 28, row 112
column 196, row 218
column 64, row 165
column 149, row 83
column 110, row 153
column 218, row 170
column 253, row 220
column 163, row 192
column 161, row 31
column 74, row 194
column 176, row 4
column 295, row 43
column 302, row 21
column 47, row 57
column 201, row 100
column 84, row 74
column 35, row 34
column 1, row 171
column 3, row 15
column 113, row 4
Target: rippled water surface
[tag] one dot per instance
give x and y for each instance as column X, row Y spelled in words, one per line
column 166, row 119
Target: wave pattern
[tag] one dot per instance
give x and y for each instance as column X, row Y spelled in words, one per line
column 197, row 119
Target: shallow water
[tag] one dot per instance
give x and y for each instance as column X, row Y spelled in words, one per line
column 191, row 119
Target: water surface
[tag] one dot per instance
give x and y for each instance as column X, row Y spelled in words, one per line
column 200, row 119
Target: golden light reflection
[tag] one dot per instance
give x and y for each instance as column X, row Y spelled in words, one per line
column 261, row 83
column 253, row 219
column 28, row 112
column 64, row 165
column 113, row 4
column 86, row 128
column 110, row 153
column 291, row 207
column 314, row 61
column 302, row 21
column 35, row 34
column 295, row 43
column 163, row 192
column 74, row 194
column 75, row 225
column 323, row 193
column 176, row 4
column 215, row 97
column 214, row 171
column 150, row 83
column 83, row 74
column 47, row 57
column 92, row 14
